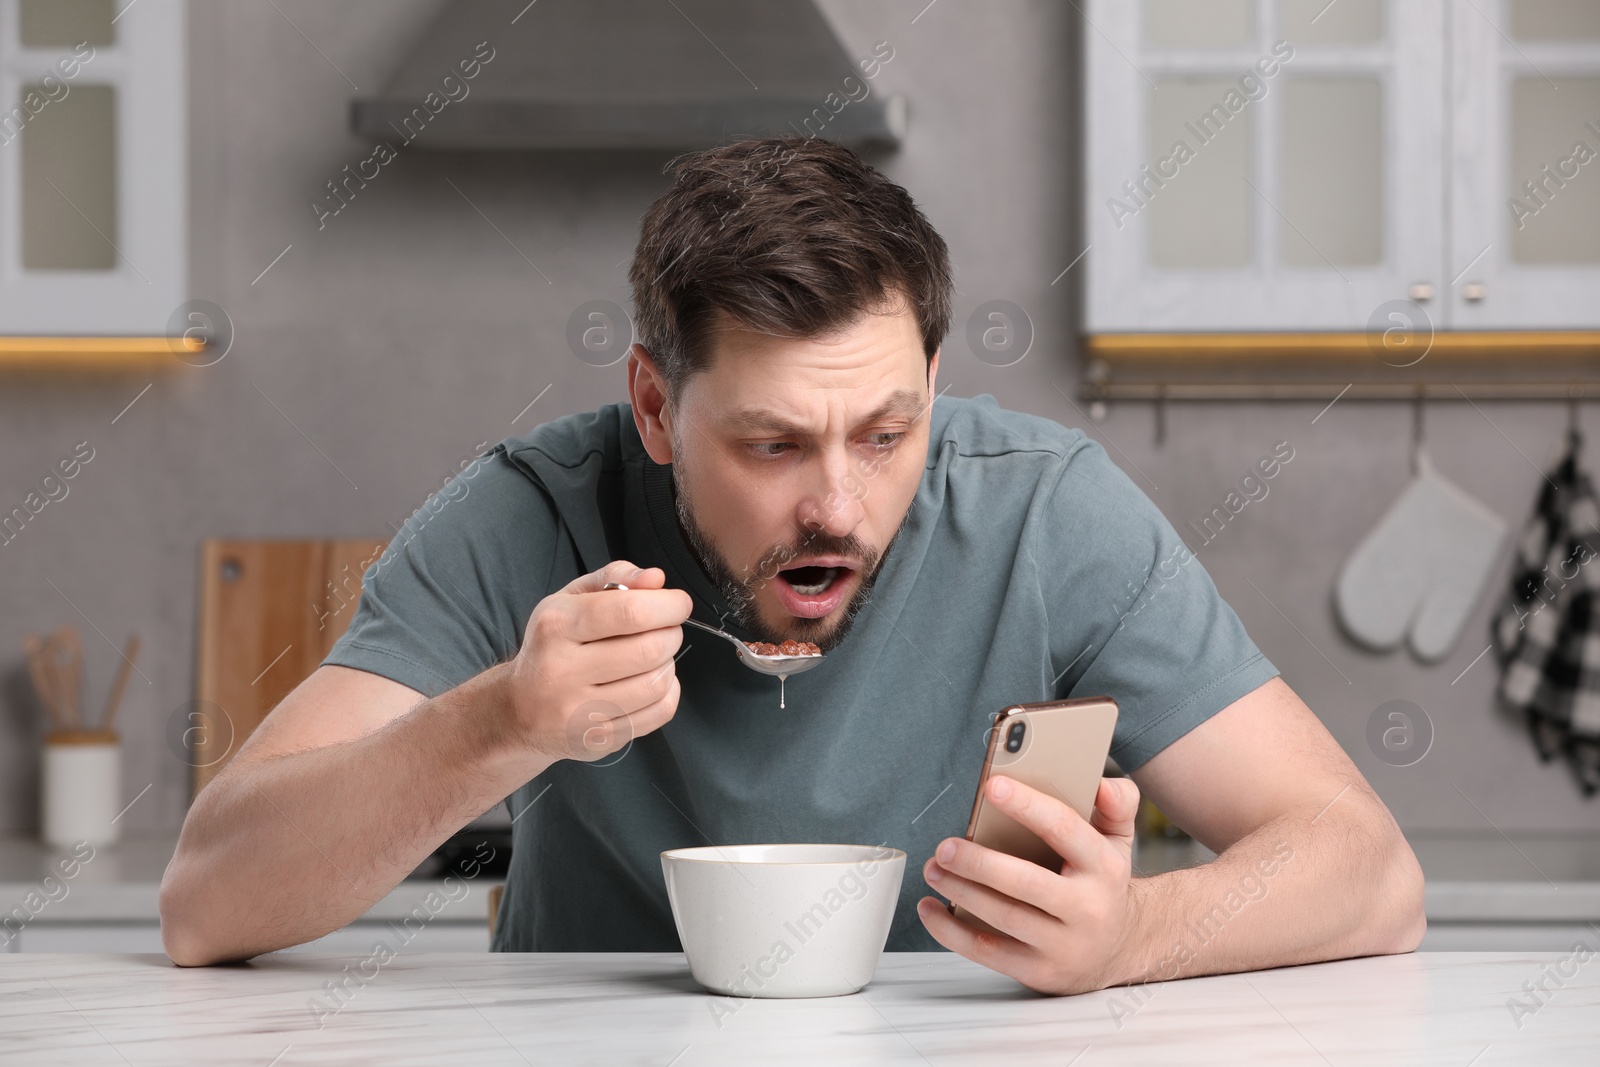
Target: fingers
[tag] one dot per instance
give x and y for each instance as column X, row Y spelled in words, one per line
column 638, row 691
column 597, row 731
column 1000, row 910
column 1008, row 875
column 1116, row 805
column 618, row 570
column 655, row 715
column 611, row 612
column 998, row 952
column 1064, row 830
column 613, row 658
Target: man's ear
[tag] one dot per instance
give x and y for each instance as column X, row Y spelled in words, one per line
column 647, row 390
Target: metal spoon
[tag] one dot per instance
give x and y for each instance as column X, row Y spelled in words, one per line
column 781, row 666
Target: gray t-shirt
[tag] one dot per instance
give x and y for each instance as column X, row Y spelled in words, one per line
column 1030, row 568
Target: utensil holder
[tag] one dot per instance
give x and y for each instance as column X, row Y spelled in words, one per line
column 81, row 787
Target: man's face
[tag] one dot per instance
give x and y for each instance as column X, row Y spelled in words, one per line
column 795, row 463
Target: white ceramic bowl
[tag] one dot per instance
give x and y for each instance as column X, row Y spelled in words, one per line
column 783, row 920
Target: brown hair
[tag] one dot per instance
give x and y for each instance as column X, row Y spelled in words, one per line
column 791, row 236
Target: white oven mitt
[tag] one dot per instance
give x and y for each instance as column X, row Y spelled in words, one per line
column 1421, row 569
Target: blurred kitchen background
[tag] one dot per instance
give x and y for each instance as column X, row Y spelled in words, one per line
column 369, row 335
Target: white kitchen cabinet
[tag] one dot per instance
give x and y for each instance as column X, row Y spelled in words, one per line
column 1292, row 165
column 1525, row 164
column 92, row 166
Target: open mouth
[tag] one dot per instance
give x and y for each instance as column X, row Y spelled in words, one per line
column 811, row 581
column 814, row 591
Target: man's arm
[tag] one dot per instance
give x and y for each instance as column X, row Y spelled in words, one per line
column 1311, row 865
column 350, row 782
column 1321, row 865
column 348, row 785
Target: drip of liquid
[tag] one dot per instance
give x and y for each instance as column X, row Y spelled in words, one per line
column 781, row 679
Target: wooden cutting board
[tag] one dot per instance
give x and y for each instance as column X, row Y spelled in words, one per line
column 269, row 613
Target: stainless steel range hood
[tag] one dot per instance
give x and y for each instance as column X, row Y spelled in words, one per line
column 662, row 74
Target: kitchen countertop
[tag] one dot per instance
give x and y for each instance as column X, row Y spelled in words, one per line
column 1471, row 878
column 121, row 882
column 926, row 1008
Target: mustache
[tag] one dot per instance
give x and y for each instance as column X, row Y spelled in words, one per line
column 776, row 559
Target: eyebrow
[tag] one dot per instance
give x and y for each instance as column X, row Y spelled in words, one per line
column 906, row 402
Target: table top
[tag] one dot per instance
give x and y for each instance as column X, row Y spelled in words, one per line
column 926, row 1008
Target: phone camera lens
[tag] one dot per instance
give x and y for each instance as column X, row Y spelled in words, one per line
column 1014, row 737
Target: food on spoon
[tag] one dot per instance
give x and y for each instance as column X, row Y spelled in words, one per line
column 787, row 648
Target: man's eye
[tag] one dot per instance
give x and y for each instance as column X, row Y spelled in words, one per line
column 884, row 440
column 761, row 448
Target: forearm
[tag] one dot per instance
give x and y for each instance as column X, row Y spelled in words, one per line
column 282, row 850
column 1311, row 885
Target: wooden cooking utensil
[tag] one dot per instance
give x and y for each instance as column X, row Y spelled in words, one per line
column 43, row 679
column 114, row 700
column 67, row 661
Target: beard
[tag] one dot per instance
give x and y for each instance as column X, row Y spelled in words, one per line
column 740, row 592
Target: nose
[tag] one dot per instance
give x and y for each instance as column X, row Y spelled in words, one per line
column 833, row 508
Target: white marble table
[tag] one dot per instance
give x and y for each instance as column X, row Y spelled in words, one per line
column 934, row 1008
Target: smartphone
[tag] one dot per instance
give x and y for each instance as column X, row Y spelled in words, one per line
column 1058, row 747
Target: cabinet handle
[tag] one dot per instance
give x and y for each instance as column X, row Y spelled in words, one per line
column 1420, row 292
column 1473, row 292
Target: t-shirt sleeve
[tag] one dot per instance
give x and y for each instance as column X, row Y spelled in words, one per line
column 1134, row 615
column 450, row 596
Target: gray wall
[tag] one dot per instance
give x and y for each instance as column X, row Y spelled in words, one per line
column 407, row 330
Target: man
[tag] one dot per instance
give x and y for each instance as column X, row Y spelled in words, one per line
column 785, row 468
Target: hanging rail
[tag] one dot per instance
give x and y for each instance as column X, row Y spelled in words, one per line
column 1501, row 365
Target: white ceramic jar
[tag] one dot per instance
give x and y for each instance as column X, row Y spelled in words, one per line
column 81, row 787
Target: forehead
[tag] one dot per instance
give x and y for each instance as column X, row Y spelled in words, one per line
column 870, row 369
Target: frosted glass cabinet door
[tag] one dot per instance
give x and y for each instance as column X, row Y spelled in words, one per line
column 92, row 166
column 1331, row 179
column 69, row 181
column 1204, row 221
column 1525, row 239
column 1275, row 164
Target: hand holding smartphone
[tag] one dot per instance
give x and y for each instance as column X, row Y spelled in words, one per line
column 1058, row 747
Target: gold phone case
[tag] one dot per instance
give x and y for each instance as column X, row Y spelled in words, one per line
column 1062, row 752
